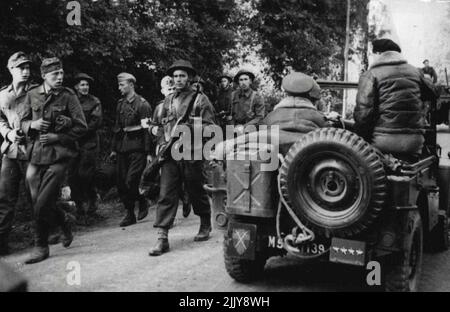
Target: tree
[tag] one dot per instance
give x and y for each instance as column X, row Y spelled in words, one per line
column 305, row 35
column 139, row 36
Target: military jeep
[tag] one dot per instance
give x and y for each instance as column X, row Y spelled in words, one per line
column 334, row 198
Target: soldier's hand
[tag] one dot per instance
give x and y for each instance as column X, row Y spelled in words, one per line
column 156, row 131
column 113, row 157
column 65, row 193
column 145, row 123
column 149, row 158
column 40, row 125
column 48, row 138
column 14, row 137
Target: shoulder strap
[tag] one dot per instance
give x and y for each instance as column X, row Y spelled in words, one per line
column 252, row 101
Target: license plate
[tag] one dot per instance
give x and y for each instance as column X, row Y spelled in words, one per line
column 242, row 240
column 348, row 252
column 315, row 248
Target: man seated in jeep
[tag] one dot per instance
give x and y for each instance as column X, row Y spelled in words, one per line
column 389, row 110
column 296, row 113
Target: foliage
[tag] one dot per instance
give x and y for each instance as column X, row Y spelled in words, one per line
column 305, row 35
column 142, row 37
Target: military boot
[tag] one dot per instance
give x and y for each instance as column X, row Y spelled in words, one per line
column 41, row 250
column 54, row 239
column 39, row 254
column 143, row 208
column 187, row 207
column 66, row 228
column 129, row 219
column 205, row 228
column 4, row 248
column 162, row 244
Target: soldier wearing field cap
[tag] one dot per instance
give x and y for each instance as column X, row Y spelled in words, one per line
column 57, row 122
column 186, row 171
column 14, row 148
column 82, row 171
column 296, row 113
column 247, row 105
column 131, row 147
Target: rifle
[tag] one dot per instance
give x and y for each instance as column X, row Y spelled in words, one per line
column 152, row 169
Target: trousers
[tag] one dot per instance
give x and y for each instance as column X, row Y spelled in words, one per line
column 173, row 176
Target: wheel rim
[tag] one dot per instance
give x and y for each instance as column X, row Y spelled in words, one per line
column 330, row 186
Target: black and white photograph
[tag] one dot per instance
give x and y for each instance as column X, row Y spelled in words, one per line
column 224, row 151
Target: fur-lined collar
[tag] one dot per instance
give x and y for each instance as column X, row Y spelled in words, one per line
column 389, row 58
column 295, row 102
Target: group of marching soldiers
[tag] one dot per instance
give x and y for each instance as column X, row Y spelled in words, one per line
column 50, row 135
column 50, row 140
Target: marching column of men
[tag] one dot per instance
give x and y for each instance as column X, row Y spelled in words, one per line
column 50, row 137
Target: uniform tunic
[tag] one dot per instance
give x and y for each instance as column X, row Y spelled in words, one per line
column 188, row 172
column 248, row 107
column 82, row 171
column 49, row 163
column 13, row 110
column 132, row 144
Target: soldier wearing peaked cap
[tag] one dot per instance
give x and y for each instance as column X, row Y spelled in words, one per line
column 14, row 148
column 248, row 106
column 57, row 122
column 131, row 147
column 82, row 171
column 186, row 171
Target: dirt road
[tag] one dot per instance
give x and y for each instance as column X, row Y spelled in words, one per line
column 115, row 259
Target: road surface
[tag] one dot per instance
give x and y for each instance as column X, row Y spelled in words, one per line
column 115, row 259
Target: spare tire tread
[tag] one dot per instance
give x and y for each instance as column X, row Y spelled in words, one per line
column 366, row 155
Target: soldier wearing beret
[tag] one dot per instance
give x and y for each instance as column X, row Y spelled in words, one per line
column 248, row 106
column 131, row 147
column 14, row 148
column 175, row 173
column 82, row 172
column 57, row 122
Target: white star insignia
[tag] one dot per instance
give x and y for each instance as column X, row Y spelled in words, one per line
column 359, row 252
column 351, row 251
column 336, row 249
column 344, row 251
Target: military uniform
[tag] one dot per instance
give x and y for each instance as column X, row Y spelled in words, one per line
column 82, row 172
column 49, row 163
column 224, row 98
column 248, row 107
column 132, row 144
column 13, row 110
column 191, row 171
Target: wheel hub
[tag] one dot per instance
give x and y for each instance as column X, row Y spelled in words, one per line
column 331, row 183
